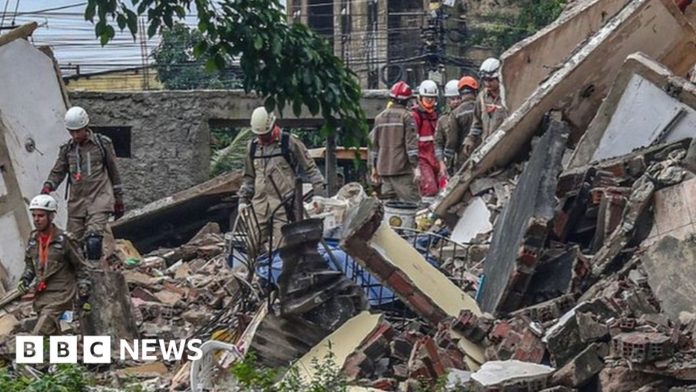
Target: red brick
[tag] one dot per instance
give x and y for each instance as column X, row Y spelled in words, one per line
column 398, row 282
column 377, row 266
column 357, row 365
column 423, row 306
column 385, row 384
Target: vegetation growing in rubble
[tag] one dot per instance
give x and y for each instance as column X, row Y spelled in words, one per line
column 177, row 67
column 66, row 378
column 255, row 378
column 507, row 30
column 288, row 64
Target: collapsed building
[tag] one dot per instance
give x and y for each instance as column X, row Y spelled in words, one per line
column 562, row 259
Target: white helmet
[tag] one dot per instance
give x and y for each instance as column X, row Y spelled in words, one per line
column 428, row 89
column 452, row 88
column 261, row 121
column 76, row 118
column 489, row 68
column 43, row 202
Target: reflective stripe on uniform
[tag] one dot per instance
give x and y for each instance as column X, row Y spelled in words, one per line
column 389, row 125
column 426, row 138
column 464, row 112
column 412, row 152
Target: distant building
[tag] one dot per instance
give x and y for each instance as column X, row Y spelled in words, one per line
column 382, row 42
column 128, row 79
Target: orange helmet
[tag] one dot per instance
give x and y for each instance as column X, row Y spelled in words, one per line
column 468, row 82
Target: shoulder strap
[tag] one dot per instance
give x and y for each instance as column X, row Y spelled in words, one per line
column 285, row 148
column 100, row 144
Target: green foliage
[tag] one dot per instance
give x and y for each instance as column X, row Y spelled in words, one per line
column 229, row 154
column 288, row 64
column 66, row 378
column 179, row 69
column 252, row 377
column 507, row 31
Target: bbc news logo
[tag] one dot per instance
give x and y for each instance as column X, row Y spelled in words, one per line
column 98, row 349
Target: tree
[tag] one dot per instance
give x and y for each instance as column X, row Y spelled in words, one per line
column 179, row 69
column 288, row 64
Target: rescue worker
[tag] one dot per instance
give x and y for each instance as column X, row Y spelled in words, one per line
column 489, row 111
column 443, row 151
column 425, row 117
column 453, row 127
column 88, row 161
column 395, row 144
column 52, row 260
column 273, row 161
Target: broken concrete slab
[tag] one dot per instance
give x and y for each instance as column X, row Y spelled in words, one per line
column 654, row 27
column 340, row 344
column 583, row 367
column 526, row 64
column 475, row 220
column 29, row 141
column 648, row 99
column 674, row 212
column 669, row 264
column 161, row 223
column 521, row 229
column 508, row 374
column 399, row 266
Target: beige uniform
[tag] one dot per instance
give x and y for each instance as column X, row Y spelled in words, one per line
column 396, row 151
column 270, row 166
column 63, row 270
column 489, row 113
column 95, row 185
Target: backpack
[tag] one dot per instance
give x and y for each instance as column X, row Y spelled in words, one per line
column 284, row 151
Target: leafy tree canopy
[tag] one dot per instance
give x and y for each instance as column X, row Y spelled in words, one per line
column 177, row 67
column 288, row 64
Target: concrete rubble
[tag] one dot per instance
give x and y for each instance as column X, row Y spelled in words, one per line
column 560, row 258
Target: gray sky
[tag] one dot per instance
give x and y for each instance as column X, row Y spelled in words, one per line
column 72, row 37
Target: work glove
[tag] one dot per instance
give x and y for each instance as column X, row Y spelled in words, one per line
column 22, row 286
column 119, row 209
column 46, row 189
column 416, row 175
column 242, row 206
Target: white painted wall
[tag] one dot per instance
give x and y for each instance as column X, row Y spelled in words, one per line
column 31, row 106
column 643, row 111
